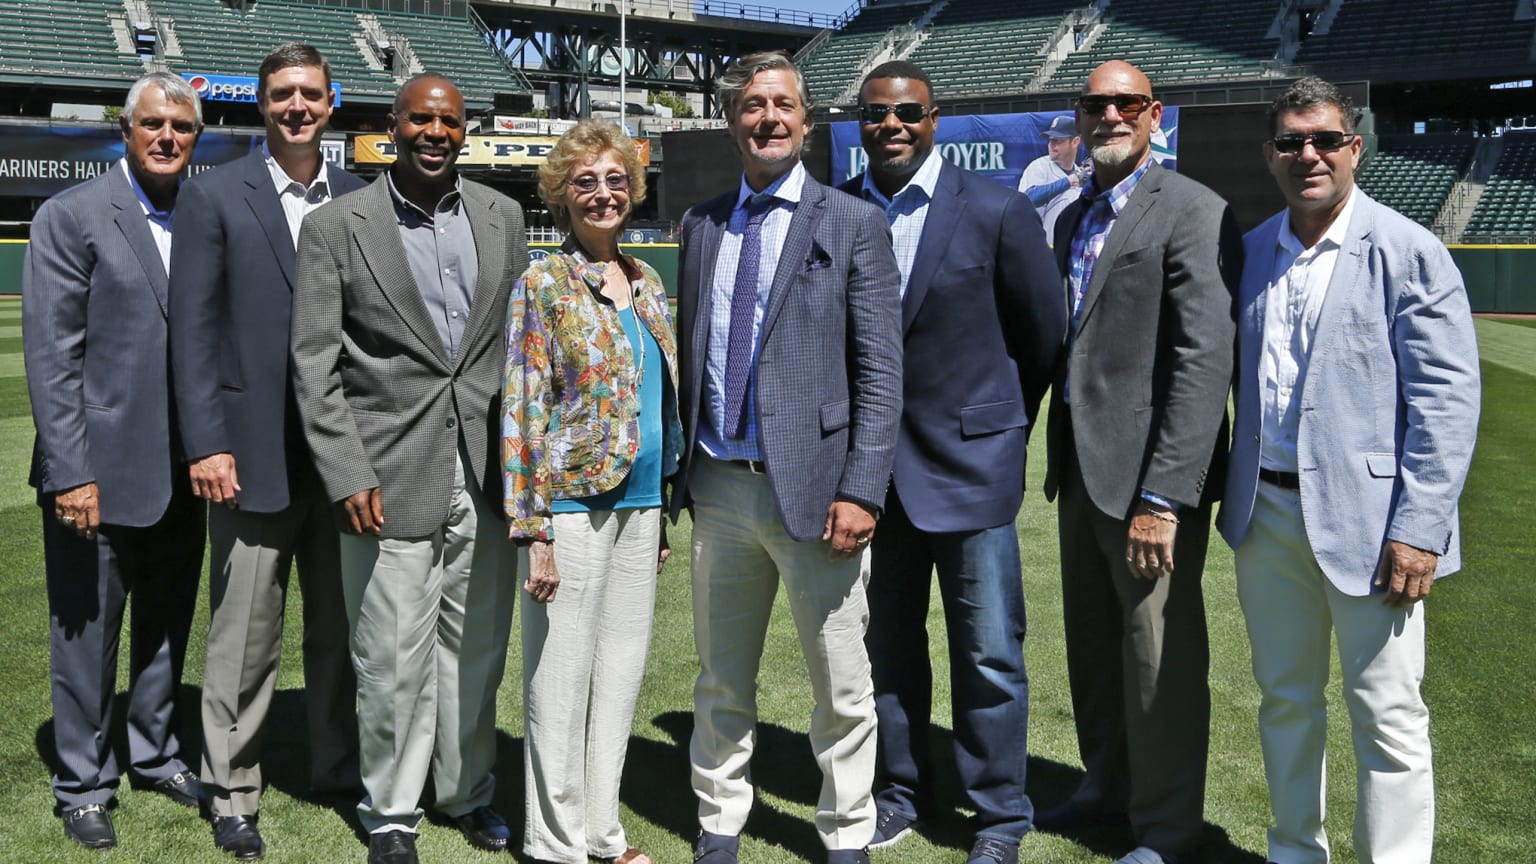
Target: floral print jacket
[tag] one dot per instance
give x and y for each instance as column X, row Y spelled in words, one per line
column 570, row 424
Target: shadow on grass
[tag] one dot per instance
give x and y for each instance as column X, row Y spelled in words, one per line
column 782, row 765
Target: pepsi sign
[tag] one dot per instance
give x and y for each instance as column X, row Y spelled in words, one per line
column 236, row 88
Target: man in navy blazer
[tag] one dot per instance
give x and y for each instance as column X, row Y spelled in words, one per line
column 232, row 279
column 1357, row 404
column 984, row 318
column 789, row 367
column 118, row 513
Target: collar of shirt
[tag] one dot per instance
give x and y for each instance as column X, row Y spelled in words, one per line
column 1119, row 193
column 282, row 182
column 1290, row 244
column 786, row 188
column 924, row 180
column 448, row 203
column 162, row 217
column 585, row 270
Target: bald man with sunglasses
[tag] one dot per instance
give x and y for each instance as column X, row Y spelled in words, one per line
column 1135, row 443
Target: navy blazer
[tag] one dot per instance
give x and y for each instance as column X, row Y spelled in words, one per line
column 231, row 291
column 984, row 322
column 828, row 376
column 93, row 332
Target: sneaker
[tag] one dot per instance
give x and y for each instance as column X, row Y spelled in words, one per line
column 890, row 828
column 990, row 850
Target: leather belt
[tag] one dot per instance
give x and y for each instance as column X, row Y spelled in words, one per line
column 753, row 465
column 1283, row 479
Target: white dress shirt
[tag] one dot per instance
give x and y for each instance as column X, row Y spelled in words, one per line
column 297, row 199
column 1293, row 300
column 159, row 221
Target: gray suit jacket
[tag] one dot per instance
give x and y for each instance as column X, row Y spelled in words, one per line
column 1389, row 406
column 93, row 332
column 232, row 275
column 828, row 391
column 382, row 405
column 1152, row 362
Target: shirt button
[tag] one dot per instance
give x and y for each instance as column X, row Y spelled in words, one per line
column 452, row 422
column 453, row 314
column 442, row 230
column 448, row 270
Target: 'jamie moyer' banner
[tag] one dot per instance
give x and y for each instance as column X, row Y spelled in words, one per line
column 993, row 145
column 42, row 161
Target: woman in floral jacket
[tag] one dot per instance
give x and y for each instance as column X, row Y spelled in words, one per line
column 590, row 431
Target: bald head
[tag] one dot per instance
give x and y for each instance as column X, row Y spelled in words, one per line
column 1116, row 116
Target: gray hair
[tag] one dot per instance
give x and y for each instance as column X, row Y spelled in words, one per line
column 175, row 88
column 736, row 78
column 1312, row 92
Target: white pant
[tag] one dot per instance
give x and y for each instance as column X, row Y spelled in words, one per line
column 430, row 620
column 1291, row 608
column 583, row 660
column 740, row 553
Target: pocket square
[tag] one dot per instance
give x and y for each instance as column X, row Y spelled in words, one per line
column 819, row 260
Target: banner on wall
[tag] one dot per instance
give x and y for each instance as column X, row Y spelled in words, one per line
column 484, row 151
column 41, row 161
column 993, row 145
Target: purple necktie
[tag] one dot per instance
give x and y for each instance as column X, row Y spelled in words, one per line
column 738, row 358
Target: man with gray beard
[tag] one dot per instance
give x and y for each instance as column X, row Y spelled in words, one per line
column 1136, row 438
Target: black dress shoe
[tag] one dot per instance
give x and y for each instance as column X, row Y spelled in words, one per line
column 238, row 836
column 90, row 826
column 484, row 829
column 392, row 847
column 181, row 787
column 716, row 848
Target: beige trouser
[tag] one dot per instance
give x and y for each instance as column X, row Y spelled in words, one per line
column 1292, row 610
column 251, row 557
column 583, row 660
column 430, row 618
column 740, row 553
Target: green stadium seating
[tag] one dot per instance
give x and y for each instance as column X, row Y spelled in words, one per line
column 1371, row 38
column 1414, row 177
column 1507, row 211
column 835, row 64
column 65, row 39
column 1176, row 40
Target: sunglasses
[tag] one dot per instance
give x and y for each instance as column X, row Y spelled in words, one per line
column 1130, row 105
column 1322, row 142
column 907, row 112
column 587, row 184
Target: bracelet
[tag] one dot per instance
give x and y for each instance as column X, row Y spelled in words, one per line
column 1165, row 515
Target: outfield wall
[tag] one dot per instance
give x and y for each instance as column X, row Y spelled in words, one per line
column 1500, row 279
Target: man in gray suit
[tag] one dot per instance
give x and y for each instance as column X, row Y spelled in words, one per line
column 1137, row 425
column 118, row 512
column 398, row 337
column 231, row 289
column 789, row 322
column 1357, row 403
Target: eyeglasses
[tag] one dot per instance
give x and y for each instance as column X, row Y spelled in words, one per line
column 907, row 112
column 587, row 184
column 1130, row 105
column 1322, row 142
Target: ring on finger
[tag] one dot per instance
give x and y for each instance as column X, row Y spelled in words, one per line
column 67, row 521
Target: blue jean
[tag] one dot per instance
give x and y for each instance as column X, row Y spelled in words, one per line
column 981, row 586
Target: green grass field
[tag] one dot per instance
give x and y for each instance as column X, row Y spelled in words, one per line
column 1482, row 662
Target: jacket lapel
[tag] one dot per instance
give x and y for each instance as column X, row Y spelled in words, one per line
column 1253, row 296
column 1142, row 200
column 1342, row 285
column 796, row 252
column 945, row 211
column 264, row 204
column 130, row 219
column 378, row 239
column 486, row 223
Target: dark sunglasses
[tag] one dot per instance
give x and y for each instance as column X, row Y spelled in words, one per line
column 1130, row 105
column 907, row 112
column 1322, row 142
column 587, row 184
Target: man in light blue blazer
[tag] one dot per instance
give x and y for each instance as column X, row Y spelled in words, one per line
column 1357, row 402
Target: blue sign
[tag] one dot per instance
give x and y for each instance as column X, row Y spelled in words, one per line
column 237, row 88
column 993, row 145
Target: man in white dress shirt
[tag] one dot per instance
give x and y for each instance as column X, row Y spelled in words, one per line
column 1357, row 400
